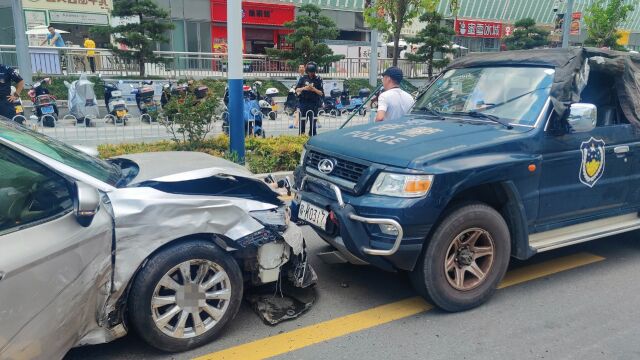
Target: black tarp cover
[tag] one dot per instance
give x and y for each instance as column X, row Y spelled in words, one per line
column 572, row 67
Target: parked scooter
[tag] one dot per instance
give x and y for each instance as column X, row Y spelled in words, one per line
column 356, row 102
column 82, row 100
column 116, row 105
column 332, row 105
column 145, row 100
column 291, row 104
column 268, row 104
column 252, row 114
column 44, row 103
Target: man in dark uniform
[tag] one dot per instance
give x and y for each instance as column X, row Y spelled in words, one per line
column 8, row 75
column 310, row 93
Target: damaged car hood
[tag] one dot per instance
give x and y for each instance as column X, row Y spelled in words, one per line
column 172, row 166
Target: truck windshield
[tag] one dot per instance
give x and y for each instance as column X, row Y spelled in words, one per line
column 514, row 94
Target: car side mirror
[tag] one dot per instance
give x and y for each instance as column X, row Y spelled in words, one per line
column 86, row 203
column 582, row 117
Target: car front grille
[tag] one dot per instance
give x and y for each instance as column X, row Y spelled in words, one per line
column 344, row 169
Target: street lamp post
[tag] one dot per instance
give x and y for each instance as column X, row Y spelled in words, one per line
column 373, row 67
column 235, row 75
column 566, row 24
column 22, row 48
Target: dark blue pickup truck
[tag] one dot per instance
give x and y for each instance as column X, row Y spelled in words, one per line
column 505, row 154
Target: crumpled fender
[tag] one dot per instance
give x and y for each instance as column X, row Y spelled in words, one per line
column 147, row 219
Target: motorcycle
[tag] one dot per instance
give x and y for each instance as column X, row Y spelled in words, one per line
column 116, row 105
column 291, row 103
column 252, row 113
column 145, row 100
column 82, row 100
column 19, row 117
column 44, row 103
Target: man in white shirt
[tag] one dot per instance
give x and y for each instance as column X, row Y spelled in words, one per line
column 394, row 102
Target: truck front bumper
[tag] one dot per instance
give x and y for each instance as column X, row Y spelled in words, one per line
column 352, row 232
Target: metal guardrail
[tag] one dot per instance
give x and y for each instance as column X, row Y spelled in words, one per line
column 74, row 60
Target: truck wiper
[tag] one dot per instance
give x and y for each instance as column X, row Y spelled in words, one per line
column 431, row 111
column 480, row 115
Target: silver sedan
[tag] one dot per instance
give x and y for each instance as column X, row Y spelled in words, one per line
column 162, row 243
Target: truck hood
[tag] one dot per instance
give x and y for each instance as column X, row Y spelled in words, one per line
column 173, row 166
column 404, row 142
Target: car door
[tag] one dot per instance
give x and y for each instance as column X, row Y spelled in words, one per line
column 585, row 174
column 54, row 273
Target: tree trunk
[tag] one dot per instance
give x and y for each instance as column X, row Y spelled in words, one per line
column 430, row 65
column 141, row 67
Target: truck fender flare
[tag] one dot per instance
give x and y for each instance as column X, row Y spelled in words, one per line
column 515, row 215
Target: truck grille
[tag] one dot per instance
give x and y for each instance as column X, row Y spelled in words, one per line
column 344, row 169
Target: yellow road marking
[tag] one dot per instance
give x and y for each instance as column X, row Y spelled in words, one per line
column 331, row 329
column 531, row 272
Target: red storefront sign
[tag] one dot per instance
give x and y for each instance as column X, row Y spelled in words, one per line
column 478, row 28
column 265, row 20
column 255, row 13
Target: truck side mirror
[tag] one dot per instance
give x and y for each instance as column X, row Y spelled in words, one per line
column 86, row 203
column 582, row 117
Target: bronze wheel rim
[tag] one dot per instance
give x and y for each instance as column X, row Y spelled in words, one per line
column 469, row 259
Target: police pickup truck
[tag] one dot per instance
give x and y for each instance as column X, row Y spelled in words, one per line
column 504, row 154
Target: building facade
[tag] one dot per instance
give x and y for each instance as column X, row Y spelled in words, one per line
column 200, row 25
column 504, row 13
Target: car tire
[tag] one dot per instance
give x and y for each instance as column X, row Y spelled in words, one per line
column 168, row 322
column 465, row 259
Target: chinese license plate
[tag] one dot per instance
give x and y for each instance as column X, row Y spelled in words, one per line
column 313, row 214
column 19, row 109
column 47, row 109
column 121, row 113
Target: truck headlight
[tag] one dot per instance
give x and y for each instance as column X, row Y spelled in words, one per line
column 402, row 185
column 304, row 153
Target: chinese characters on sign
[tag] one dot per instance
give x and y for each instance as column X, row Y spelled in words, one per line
column 477, row 28
column 102, row 6
column 575, row 23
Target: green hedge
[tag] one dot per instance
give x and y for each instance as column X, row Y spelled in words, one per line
column 268, row 155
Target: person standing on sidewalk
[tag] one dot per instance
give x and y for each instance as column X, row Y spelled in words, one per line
column 310, row 92
column 296, row 115
column 394, row 102
column 53, row 38
column 91, row 54
column 7, row 99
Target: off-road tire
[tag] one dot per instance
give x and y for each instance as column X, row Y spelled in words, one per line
column 430, row 278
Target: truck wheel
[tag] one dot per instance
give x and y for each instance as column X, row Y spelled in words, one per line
column 465, row 259
column 185, row 295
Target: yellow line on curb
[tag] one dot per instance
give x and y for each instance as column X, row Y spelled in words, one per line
column 331, row 329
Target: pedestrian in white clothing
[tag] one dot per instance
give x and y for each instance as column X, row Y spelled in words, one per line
column 394, row 102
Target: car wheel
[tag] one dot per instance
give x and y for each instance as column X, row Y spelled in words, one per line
column 185, row 295
column 465, row 259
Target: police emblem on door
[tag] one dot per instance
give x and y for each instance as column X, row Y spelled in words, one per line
column 592, row 165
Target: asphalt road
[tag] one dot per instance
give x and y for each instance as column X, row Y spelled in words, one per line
column 575, row 303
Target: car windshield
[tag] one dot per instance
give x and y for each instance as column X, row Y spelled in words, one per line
column 514, row 94
column 99, row 169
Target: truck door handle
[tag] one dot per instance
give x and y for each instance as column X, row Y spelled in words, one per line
column 621, row 149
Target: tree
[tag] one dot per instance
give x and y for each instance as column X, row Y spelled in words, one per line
column 527, row 35
column 148, row 27
column 602, row 20
column 310, row 29
column 434, row 37
column 391, row 16
column 188, row 120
